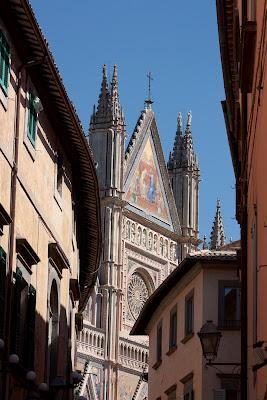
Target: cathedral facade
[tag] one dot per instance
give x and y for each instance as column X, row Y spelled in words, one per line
column 149, row 223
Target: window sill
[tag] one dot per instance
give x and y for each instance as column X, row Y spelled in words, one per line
column 157, row 364
column 3, row 97
column 186, row 338
column 29, row 146
column 171, row 350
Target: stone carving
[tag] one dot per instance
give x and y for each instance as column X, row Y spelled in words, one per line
column 137, row 294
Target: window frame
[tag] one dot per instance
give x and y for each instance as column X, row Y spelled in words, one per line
column 32, row 118
column 173, row 332
column 5, row 55
column 222, row 284
column 158, row 345
column 189, row 297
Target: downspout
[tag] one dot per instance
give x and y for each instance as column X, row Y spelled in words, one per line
column 11, row 237
column 244, row 277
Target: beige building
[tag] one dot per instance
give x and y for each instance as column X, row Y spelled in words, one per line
column 203, row 287
column 49, row 215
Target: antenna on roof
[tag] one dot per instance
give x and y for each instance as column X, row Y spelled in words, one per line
column 149, row 100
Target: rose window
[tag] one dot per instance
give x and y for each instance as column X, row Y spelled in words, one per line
column 137, row 294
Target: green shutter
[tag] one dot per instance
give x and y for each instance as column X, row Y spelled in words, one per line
column 4, row 61
column 32, row 120
column 2, row 290
column 16, row 313
column 29, row 356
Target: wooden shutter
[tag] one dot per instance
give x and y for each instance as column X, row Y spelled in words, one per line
column 32, row 119
column 4, row 61
column 219, row 394
column 16, row 313
column 2, row 290
column 30, row 326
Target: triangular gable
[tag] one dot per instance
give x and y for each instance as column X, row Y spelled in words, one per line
column 146, row 181
column 146, row 190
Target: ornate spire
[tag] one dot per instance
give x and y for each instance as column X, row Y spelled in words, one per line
column 102, row 114
column 217, row 237
column 115, row 104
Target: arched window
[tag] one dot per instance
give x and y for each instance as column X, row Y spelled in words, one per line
column 161, row 246
column 138, row 237
column 150, row 241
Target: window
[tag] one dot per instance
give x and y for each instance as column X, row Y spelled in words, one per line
column 173, row 328
column 4, row 61
column 159, row 341
column 188, row 387
column 229, row 304
column 53, row 330
column 60, row 174
column 32, row 119
column 189, row 314
column 171, row 393
column 2, row 290
column 230, row 387
column 24, row 316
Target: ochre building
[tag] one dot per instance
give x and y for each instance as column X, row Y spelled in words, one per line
column 50, row 230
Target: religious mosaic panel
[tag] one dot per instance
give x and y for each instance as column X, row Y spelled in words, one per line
column 145, row 191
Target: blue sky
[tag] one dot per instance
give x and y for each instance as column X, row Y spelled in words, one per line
column 178, row 42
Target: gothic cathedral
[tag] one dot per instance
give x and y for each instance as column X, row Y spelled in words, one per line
column 149, row 224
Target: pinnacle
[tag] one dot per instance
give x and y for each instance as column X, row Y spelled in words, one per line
column 217, row 237
column 109, row 111
column 183, row 154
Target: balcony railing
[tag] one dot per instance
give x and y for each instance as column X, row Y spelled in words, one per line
column 91, row 341
column 132, row 355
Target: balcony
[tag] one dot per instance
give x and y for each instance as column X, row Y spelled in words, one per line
column 91, row 341
column 132, row 355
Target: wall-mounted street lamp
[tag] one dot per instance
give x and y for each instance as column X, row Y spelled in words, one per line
column 210, row 338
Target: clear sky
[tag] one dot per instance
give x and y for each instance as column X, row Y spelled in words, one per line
column 178, row 42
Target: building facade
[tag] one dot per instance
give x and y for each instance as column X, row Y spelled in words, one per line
column 144, row 239
column 242, row 35
column 50, row 229
column 204, row 287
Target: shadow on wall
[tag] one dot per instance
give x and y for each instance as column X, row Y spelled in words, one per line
column 36, row 362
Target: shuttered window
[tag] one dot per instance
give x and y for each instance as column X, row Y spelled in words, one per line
column 2, row 290
column 24, row 320
column 32, row 120
column 4, row 61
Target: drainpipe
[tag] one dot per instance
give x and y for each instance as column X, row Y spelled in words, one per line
column 244, row 277
column 11, row 236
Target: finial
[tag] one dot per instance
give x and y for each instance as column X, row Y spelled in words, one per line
column 180, row 122
column 149, row 101
column 104, row 71
column 205, row 245
column 218, row 203
column 189, row 119
column 115, row 71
